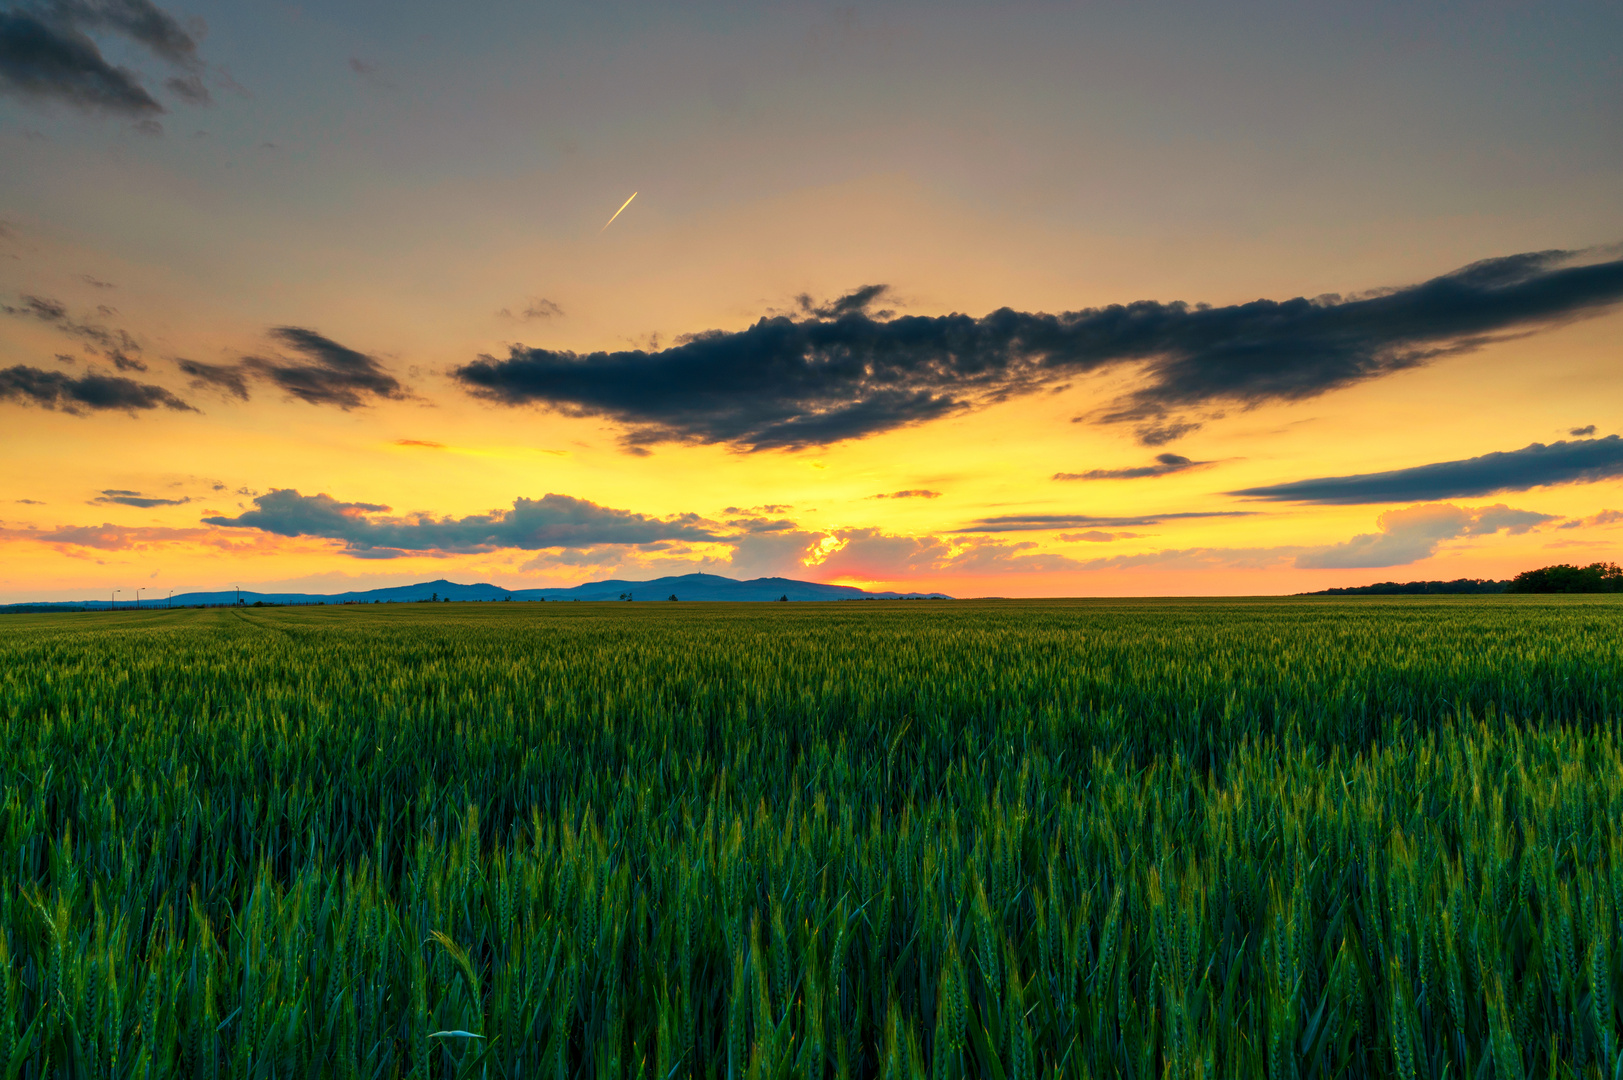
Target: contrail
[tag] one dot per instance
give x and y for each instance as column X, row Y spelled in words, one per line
column 623, row 205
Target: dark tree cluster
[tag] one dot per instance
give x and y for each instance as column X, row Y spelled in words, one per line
column 1458, row 586
column 1597, row 577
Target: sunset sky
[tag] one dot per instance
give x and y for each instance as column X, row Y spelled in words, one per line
column 1031, row 299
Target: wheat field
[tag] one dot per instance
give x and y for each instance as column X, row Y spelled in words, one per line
column 1292, row 838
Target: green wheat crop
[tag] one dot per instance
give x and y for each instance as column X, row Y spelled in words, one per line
column 1283, row 839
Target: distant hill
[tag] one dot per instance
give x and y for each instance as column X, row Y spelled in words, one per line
column 683, row 587
column 1457, row 587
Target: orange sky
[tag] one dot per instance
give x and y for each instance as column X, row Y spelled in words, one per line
column 410, row 202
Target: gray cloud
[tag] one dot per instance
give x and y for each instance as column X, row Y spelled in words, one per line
column 1535, row 465
column 139, row 20
column 1580, row 432
column 330, row 374
column 845, row 373
column 910, row 493
column 189, row 89
column 117, row 345
column 117, row 497
column 1605, row 517
column 552, row 521
column 537, row 308
column 1095, row 536
column 1046, row 522
column 224, row 377
column 1409, row 535
column 57, row 390
column 45, row 54
column 1164, row 464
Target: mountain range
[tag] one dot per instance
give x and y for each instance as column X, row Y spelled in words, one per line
column 683, row 587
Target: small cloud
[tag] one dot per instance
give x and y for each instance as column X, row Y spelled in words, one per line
column 1605, row 517
column 126, row 363
column 64, row 358
column 1094, row 536
column 268, row 146
column 151, row 128
column 96, row 283
column 426, row 444
column 769, row 508
column 1580, row 432
column 855, row 302
column 537, row 308
column 28, row 502
column 1054, row 522
column 118, row 497
column 189, row 89
column 223, row 377
column 910, row 493
column 1165, row 464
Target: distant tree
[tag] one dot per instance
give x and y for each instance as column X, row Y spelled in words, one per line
column 1597, row 577
column 673, row 596
column 435, row 598
column 784, row 599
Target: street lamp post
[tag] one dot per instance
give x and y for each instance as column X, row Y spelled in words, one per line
column 170, row 599
column 138, row 593
column 112, row 600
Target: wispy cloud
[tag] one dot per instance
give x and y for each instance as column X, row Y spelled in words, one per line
column 1535, row 465
column 1048, row 522
column 118, row 497
column 1165, row 464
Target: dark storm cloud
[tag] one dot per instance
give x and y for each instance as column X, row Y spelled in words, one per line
column 552, row 521
column 117, row 497
column 224, row 377
column 1537, row 465
column 845, row 373
column 45, row 54
column 56, row 390
column 1580, row 432
column 1164, row 464
column 336, row 375
column 1045, row 522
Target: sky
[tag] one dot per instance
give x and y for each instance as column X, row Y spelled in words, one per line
column 1031, row 299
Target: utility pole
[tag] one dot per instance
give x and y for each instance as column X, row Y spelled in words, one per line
column 113, row 599
column 239, row 594
column 170, row 598
column 138, row 593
